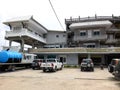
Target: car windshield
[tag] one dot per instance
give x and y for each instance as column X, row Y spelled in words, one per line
column 86, row 60
column 49, row 60
column 37, row 60
column 113, row 62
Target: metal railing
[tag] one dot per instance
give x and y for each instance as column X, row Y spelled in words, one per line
column 82, row 38
column 91, row 18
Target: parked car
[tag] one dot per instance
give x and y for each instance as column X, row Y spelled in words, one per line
column 114, row 67
column 36, row 64
column 51, row 64
column 87, row 64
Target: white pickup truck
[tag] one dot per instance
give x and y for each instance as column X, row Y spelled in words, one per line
column 51, row 64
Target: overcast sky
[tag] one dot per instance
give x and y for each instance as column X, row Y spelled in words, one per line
column 42, row 11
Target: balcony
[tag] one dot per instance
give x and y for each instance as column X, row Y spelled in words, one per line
column 75, row 50
column 91, row 19
column 24, row 32
column 112, row 41
column 93, row 38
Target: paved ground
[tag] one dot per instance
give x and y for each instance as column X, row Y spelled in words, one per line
column 67, row 79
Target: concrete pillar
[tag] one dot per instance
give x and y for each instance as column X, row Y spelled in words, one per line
column 103, row 59
column 33, row 45
column 22, row 45
column 45, row 56
column 89, row 56
column 10, row 43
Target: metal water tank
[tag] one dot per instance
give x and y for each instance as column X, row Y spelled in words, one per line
column 10, row 57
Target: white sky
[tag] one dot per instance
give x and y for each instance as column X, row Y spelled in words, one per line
column 42, row 12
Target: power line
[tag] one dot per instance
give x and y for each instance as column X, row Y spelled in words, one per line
column 56, row 14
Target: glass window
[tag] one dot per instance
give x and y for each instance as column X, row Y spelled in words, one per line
column 63, row 59
column 82, row 33
column 90, row 46
column 57, row 36
column 96, row 33
column 51, row 60
column 17, row 28
column 64, row 35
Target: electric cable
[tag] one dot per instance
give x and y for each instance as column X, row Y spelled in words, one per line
column 56, row 14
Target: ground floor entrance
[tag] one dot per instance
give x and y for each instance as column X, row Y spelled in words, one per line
column 76, row 59
column 97, row 59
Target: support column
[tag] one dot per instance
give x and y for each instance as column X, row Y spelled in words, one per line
column 89, row 56
column 10, row 43
column 45, row 56
column 103, row 59
column 33, row 45
column 22, row 45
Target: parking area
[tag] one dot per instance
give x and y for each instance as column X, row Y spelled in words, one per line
column 66, row 79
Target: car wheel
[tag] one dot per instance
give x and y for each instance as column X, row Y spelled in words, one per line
column 44, row 70
column 110, row 68
column 61, row 67
column 33, row 68
column 55, row 69
column 92, row 69
column 81, row 69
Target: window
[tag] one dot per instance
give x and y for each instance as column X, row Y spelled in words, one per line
column 96, row 33
column 64, row 35
column 57, row 36
column 27, row 57
column 82, row 33
column 44, row 35
column 90, row 46
column 63, row 59
column 17, row 28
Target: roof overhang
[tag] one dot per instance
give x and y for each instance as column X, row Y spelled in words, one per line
column 90, row 24
column 32, row 23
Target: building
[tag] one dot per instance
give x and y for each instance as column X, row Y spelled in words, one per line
column 26, row 30
column 95, row 37
column 93, row 32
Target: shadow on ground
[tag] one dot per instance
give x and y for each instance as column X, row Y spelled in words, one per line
column 16, row 70
column 114, row 79
column 118, row 84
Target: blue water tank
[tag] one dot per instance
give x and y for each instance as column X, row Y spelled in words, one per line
column 10, row 57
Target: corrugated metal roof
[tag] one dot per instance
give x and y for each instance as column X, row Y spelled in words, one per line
column 90, row 24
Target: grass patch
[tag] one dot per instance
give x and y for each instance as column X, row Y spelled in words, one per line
column 71, row 66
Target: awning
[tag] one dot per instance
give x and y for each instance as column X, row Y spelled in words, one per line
column 105, row 23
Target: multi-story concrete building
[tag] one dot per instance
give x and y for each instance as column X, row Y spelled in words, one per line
column 92, row 37
column 26, row 30
column 93, row 32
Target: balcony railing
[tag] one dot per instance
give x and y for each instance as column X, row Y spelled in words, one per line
column 112, row 41
column 82, row 38
column 92, row 18
column 24, row 32
column 76, row 50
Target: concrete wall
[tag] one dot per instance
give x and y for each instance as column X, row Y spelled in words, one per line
column 56, row 37
column 72, row 59
column 89, row 34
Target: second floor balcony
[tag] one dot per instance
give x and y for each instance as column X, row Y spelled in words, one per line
column 25, row 32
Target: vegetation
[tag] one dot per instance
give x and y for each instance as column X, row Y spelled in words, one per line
column 71, row 66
